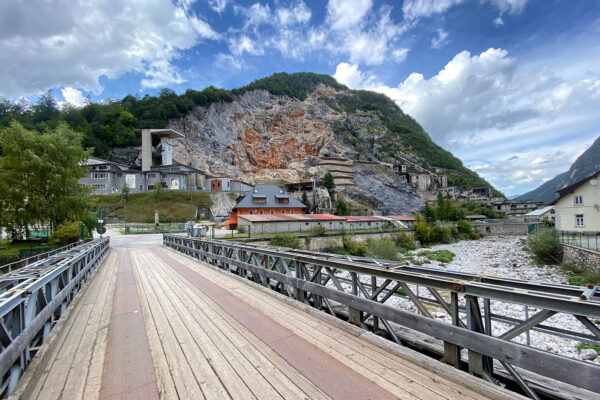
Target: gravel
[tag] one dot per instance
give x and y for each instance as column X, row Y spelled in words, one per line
column 502, row 257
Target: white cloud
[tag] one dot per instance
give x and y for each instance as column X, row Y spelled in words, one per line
column 46, row 44
column 228, row 62
column 498, row 21
column 440, row 40
column 414, row 9
column 244, row 44
column 399, row 55
column 73, row 96
column 298, row 13
column 509, row 6
column 483, row 107
column 161, row 73
column 345, row 14
column 218, row 5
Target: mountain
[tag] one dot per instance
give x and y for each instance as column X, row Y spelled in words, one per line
column 276, row 129
column 587, row 164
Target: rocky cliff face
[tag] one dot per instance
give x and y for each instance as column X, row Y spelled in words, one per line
column 261, row 137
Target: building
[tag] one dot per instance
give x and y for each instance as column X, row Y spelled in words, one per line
column 578, row 206
column 513, row 208
column 452, row 192
column 227, row 184
column 546, row 213
column 403, row 221
column 304, row 223
column 264, row 200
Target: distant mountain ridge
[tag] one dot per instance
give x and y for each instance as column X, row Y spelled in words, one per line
column 584, row 166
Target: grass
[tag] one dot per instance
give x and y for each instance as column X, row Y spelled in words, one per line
column 582, row 346
column 445, row 256
column 579, row 276
column 172, row 205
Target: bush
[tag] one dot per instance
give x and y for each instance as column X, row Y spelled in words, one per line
column 423, row 232
column 444, row 256
column 441, row 235
column 464, row 227
column 405, row 241
column 383, row 248
column 241, row 229
column 318, row 230
column 285, row 240
column 90, row 221
column 352, row 247
column 65, row 233
column 545, row 246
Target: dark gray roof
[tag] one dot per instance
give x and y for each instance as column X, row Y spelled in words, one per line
column 271, row 193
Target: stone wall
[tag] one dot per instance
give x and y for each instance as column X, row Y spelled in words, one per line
column 322, row 243
column 583, row 258
column 502, row 229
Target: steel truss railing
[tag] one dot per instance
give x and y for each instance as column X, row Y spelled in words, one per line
column 313, row 278
column 33, row 298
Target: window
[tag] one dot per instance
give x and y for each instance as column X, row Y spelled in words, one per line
column 141, row 187
column 291, row 211
column 99, row 186
column 283, row 211
column 150, row 176
column 260, row 200
column 251, row 212
column 578, row 199
column 150, row 187
column 579, row 220
column 99, row 175
column 119, row 174
column 272, row 211
column 283, row 200
column 261, row 212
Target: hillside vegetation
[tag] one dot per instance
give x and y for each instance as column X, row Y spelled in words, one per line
column 117, row 123
column 172, row 206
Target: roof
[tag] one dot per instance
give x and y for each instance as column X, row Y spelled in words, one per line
column 571, row 188
column 366, row 218
column 327, row 217
column 539, row 211
column 99, row 161
column 401, row 217
column 276, row 217
column 475, row 217
column 170, row 133
column 271, row 192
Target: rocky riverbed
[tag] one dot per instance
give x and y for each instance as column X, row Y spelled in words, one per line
column 503, row 257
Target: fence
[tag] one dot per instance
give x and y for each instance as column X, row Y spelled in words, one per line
column 362, row 287
column 33, row 298
column 151, row 228
column 585, row 240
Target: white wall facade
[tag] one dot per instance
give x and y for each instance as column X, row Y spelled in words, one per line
column 567, row 210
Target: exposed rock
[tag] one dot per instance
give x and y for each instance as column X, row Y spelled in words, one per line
column 588, row 354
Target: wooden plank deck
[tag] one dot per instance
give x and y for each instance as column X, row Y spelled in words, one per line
column 211, row 335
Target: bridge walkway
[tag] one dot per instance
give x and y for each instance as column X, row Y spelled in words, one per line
column 154, row 323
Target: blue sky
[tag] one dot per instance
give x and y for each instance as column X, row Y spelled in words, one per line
column 512, row 87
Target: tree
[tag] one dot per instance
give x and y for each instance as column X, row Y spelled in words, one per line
column 429, row 213
column 342, row 207
column 39, row 176
column 305, row 200
column 328, row 181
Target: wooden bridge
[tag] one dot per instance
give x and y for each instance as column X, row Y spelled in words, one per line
column 147, row 322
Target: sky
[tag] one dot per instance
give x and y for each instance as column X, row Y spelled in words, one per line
column 511, row 87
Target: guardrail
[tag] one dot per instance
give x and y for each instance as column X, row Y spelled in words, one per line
column 34, row 297
column 26, row 261
column 316, row 279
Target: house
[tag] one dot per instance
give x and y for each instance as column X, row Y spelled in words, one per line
column 227, row 184
column 577, row 207
column 541, row 214
column 264, row 200
column 107, row 177
column 304, row 223
column 452, row 192
column 158, row 167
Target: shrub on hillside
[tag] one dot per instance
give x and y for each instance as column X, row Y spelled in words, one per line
column 423, row 232
column 318, row 230
column 352, row 247
column 405, row 241
column 285, row 240
column 441, row 234
column 383, row 248
column 65, row 233
column 545, row 246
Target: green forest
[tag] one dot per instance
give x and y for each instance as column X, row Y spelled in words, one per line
column 117, row 123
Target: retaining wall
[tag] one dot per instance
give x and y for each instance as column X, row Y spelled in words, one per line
column 501, row 229
column 586, row 259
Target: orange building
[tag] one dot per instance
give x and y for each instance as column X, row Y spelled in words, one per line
column 264, row 199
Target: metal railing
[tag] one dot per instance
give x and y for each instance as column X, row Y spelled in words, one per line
column 584, row 240
column 34, row 297
column 363, row 287
column 151, row 228
column 26, row 261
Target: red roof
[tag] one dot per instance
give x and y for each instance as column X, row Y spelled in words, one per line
column 327, row 217
column 275, row 217
column 402, row 218
column 366, row 218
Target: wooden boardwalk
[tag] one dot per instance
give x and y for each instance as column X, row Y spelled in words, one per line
column 154, row 323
